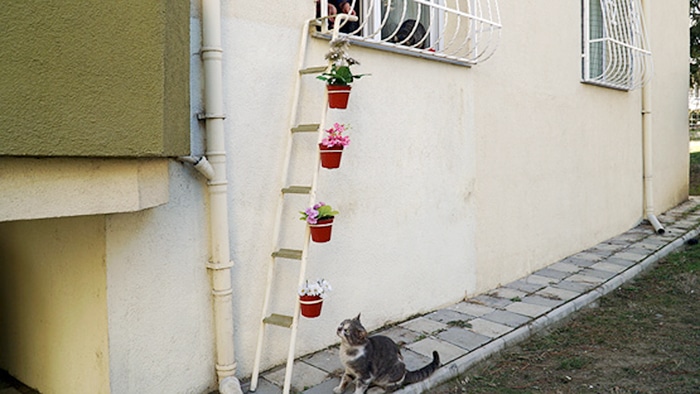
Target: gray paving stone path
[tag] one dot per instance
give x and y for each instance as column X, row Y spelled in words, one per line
column 474, row 329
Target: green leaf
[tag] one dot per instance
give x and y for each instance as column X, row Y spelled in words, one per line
column 344, row 74
column 326, row 212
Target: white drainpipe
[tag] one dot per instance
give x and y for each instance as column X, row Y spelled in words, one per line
column 648, row 170
column 647, row 148
column 220, row 264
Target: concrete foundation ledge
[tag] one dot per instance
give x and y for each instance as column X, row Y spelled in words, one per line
column 39, row 188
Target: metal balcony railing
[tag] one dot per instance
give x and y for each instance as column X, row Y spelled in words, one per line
column 459, row 31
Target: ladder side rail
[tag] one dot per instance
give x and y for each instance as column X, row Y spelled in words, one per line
column 304, row 255
column 301, row 60
column 295, row 317
column 280, row 207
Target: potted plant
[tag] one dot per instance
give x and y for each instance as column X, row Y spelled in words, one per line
column 339, row 77
column 331, row 146
column 320, row 219
column 311, row 295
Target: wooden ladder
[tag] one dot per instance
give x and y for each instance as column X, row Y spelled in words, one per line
column 290, row 321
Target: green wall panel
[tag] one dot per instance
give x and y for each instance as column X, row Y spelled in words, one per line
column 97, row 78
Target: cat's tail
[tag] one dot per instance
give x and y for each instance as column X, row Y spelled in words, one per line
column 417, row 376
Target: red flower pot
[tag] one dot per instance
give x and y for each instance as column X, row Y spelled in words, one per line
column 321, row 231
column 338, row 96
column 330, row 155
column 311, row 306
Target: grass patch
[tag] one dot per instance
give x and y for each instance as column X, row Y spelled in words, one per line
column 643, row 338
column 569, row 364
column 459, row 323
column 694, row 187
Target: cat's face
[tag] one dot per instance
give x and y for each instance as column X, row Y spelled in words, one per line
column 352, row 332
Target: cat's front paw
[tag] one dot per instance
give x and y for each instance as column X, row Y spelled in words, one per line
column 338, row 390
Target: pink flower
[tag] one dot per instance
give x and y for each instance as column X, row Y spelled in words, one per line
column 311, row 215
column 335, row 136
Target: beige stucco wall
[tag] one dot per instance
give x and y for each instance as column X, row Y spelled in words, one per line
column 110, row 303
column 38, row 188
column 53, row 309
column 403, row 242
column 158, row 297
column 559, row 162
column 670, row 43
column 456, row 180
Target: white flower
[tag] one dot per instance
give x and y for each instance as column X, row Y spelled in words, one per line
column 317, row 288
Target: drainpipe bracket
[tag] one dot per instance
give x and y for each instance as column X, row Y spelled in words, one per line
column 222, row 293
column 226, row 370
column 219, row 266
column 205, row 116
column 211, row 49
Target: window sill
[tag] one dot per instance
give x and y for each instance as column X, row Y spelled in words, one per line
column 33, row 188
column 400, row 49
column 606, row 85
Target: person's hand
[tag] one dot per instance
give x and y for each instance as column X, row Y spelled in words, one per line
column 331, row 11
column 347, row 9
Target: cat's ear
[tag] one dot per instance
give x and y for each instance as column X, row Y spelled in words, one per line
column 358, row 316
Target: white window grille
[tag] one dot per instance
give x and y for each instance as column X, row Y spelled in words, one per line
column 460, row 31
column 615, row 47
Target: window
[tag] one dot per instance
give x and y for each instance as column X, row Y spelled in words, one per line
column 461, row 31
column 615, row 48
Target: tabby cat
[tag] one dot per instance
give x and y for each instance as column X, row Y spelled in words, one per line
column 374, row 360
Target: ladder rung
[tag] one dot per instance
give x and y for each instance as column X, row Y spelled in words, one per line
column 297, row 190
column 288, row 254
column 313, row 70
column 278, row 320
column 302, row 128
